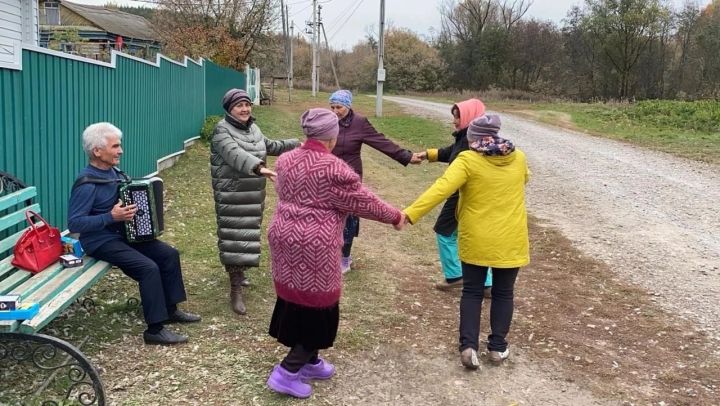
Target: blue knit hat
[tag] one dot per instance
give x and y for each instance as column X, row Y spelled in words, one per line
column 342, row 97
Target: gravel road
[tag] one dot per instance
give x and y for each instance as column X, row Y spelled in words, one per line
column 651, row 216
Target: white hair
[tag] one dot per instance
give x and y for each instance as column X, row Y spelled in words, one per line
column 96, row 136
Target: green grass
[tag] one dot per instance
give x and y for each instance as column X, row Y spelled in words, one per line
column 283, row 120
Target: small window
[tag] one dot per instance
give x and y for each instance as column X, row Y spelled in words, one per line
column 52, row 13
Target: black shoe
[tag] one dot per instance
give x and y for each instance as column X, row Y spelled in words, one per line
column 183, row 317
column 164, row 337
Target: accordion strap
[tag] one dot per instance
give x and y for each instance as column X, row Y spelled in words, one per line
column 89, row 179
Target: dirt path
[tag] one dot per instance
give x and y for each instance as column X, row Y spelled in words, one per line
column 418, row 363
column 581, row 335
column 651, row 217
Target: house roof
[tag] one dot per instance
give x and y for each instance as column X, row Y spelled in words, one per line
column 115, row 21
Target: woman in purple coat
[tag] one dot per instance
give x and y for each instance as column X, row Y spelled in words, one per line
column 356, row 130
column 316, row 192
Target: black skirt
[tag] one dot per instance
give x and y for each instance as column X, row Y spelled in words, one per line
column 314, row 328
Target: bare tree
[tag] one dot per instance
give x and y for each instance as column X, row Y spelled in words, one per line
column 513, row 11
column 227, row 31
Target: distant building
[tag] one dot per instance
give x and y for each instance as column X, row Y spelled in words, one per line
column 18, row 25
column 92, row 31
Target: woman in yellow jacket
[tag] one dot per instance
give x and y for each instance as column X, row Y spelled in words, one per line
column 492, row 230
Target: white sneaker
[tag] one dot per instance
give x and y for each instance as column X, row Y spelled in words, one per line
column 469, row 358
column 345, row 263
column 498, row 357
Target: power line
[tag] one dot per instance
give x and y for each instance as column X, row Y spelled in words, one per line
column 301, row 10
column 347, row 19
column 340, row 15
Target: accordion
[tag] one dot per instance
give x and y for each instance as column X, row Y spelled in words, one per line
column 147, row 195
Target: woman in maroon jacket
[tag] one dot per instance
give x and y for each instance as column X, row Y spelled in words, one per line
column 356, row 130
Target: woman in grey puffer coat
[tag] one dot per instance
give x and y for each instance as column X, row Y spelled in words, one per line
column 237, row 166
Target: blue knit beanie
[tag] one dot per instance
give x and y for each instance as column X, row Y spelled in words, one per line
column 342, row 97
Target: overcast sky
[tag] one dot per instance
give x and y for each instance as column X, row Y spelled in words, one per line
column 347, row 21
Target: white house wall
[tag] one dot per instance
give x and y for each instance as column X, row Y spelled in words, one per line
column 18, row 25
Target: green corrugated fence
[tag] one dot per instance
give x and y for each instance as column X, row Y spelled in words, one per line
column 45, row 106
column 219, row 80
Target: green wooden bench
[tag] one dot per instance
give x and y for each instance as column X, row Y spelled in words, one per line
column 38, row 364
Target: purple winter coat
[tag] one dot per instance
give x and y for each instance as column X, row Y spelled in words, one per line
column 356, row 130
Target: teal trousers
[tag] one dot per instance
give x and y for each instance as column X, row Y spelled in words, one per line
column 449, row 259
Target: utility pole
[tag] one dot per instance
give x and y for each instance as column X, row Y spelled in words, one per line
column 291, row 73
column 285, row 35
column 317, row 49
column 381, row 69
column 314, row 49
column 332, row 63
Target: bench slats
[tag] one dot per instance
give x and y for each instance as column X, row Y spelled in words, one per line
column 17, row 197
column 8, row 326
column 54, row 286
column 17, row 217
column 37, row 281
column 10, row 241
column 5, row 266
column 55, row 306
column 13, row 281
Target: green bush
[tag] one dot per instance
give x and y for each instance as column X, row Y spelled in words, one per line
column 208, row 127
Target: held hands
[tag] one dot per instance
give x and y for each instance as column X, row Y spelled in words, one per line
column 404, row 220
column 418, row 157
column 270, row 174
column 123, row 213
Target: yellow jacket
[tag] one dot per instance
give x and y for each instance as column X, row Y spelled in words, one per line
column 492, row 220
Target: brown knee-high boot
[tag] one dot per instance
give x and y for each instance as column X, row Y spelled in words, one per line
column 237, row 275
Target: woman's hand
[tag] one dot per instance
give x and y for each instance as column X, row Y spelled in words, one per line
column 401, row 224
column 418, row 157
column 268, row 173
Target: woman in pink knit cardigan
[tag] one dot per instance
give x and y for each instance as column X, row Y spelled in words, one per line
column 316, row 192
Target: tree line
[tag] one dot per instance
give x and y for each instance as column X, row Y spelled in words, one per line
column 602, row 49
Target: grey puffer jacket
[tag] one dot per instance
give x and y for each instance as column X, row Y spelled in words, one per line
column 236, row 150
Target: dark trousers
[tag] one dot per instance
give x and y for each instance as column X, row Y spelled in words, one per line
column 155, row 266
column 351, row 230
column 501, row 306
column 299, row 356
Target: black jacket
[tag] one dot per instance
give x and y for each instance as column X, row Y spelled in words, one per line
column 446, row 222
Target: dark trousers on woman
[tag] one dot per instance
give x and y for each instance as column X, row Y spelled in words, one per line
column 501, row 306
column 351, row 230
column 155, row 266
column 299, row 356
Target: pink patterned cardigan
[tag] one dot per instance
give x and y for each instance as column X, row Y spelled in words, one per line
column 316, row 191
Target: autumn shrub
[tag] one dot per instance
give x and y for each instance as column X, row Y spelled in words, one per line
column 208, row 127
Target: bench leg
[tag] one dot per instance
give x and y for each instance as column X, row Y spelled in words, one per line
column 29, row 361
column 89, row 304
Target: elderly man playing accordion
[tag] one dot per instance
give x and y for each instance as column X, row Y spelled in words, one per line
column 96, row 212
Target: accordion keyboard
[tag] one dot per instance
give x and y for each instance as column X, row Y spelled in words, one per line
column 144, row 226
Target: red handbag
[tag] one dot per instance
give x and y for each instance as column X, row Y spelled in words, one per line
column 38, row 247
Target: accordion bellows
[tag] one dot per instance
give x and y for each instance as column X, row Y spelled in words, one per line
column 147, row 194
